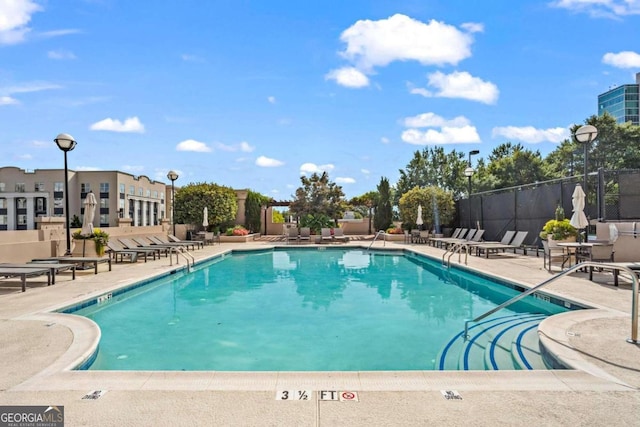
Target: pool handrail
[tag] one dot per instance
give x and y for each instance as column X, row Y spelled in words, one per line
column 634, row 295
column 376, row 236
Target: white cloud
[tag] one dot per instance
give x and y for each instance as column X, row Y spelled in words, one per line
column 400, row 38
column 245, row 147
column 132, row 168
column 7, row 100
column 601, row 8
column 626, row 59
column 267, row 162
column 271, row 99
column 242, row 146
column 28, row 87
column 531, row 135
column 384, row 140
column 345, row 180
column 365, row 171
column 446, row 135
column 460, row 85
column 25, row 156
column 306, row 168
column 433, row 120
column 348, row 77
column 473, row 27
column 193, row 145
column 14, row 17
column 60, row 54
column 131, row 124
column 58, row 33
column 421, row 91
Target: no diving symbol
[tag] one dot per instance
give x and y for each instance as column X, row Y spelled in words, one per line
column 348, row 396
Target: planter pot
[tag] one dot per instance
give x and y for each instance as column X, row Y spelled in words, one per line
column 86, row 247
column 239, row 239
column 554, row 243
column 394, row 237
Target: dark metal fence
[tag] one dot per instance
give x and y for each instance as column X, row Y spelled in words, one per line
column 611, row 196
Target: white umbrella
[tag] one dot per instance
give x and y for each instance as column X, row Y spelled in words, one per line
column 89, row 212
column 205, row 219
column 419, row 220
column 578, row 219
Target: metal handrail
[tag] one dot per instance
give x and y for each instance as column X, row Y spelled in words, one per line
column 376, row 236
column 634, row 296
column 452, row 249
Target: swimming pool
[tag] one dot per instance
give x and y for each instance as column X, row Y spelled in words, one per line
column 299, row 310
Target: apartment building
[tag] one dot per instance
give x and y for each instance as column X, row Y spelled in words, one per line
column 622, row 102
column 122, row 197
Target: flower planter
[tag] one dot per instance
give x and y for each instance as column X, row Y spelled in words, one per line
column 553, row 243
column 86, row 248
column 239, row 239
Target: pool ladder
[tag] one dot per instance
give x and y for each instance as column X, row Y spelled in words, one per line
column 592, row 264
column 376, row 236
column 456, row 248
column 185, row 254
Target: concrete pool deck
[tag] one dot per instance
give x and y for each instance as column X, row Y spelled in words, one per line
column 37, row 348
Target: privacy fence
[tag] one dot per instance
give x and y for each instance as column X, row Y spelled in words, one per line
column 611, row 196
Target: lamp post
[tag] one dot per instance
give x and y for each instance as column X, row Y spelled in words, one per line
column 66, row 143
column 172, row 175
column 468, row 172
column 586, row 135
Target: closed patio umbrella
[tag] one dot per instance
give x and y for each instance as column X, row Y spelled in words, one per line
column 89, row 213
column 578, row 219
column 419, row 220
column 205, row 219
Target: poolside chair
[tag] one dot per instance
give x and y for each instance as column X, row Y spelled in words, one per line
column 130, row 244
column 326, row 235
column 554, row 254
column 162, row 241
column 211, row 237
column 173, row 239
column 117, row 249
column 596, row 253
column 338, row 235
column 516, row 243
column 305, row 234
column 292, row 234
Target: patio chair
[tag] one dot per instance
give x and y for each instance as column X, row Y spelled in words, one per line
column 305, row 234
column 118, row 250
column 596, row 253
column 338, row 234
column 554, row 254
column 325, row 235
column 173, row 239
column 292, row 234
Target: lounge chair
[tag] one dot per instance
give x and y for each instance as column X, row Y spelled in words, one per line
column 154, row 241
column 506, row 239
column 338, row 235
column 54, row 267
column 78, row 260
column 305, row 234
column 325, row 234
column 130, row 244
column 116, row 249
column 292, row 234
column 516, row 243
column 174, row 239
column 457, row 234
column 596, row 253
column 25, row 272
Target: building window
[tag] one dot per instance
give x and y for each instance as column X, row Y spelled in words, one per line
column 132, row 190
column 1, row 187
column 58, row 186
column 85, row 187
column 104, row 220
column 155, row 194
column 3, row 203
column 3, row 220
column 21, row 203
column 20, row 187
column 39, row 186
column 104, row 187
column 148, row 193
column 122, row 188
column 104, row 203
column 40, row 205
column 140, row 191
column 22, row 219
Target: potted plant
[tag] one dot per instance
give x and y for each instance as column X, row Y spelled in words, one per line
column 99, row 238
column 558, row 230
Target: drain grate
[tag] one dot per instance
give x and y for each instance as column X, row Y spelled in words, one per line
column 94, row 395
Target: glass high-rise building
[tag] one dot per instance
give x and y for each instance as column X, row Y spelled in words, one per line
column 622, row 102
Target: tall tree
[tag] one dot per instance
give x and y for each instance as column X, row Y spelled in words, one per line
column 319, row 196
column 191, row 199
column 253, row 209
column 369, row 201
column 384, row 212
column 512, row 164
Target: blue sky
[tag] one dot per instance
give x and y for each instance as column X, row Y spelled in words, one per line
column 253, row 94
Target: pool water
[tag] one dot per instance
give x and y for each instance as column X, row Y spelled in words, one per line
column 297, row 310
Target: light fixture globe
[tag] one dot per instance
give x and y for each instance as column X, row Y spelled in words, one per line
column 468, row 172
column 65, row 142
column 172, row 175
column 586, row 134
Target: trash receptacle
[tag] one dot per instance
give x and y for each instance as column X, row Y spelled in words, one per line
column 189, row 235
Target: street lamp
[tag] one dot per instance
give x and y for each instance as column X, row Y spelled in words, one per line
column 66, row 143
column 172, row 175
column 586, row 135
column 468, row 172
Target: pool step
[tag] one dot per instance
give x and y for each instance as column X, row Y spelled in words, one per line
column 501, row 343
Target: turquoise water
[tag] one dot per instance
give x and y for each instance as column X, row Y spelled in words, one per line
column 300, row 310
